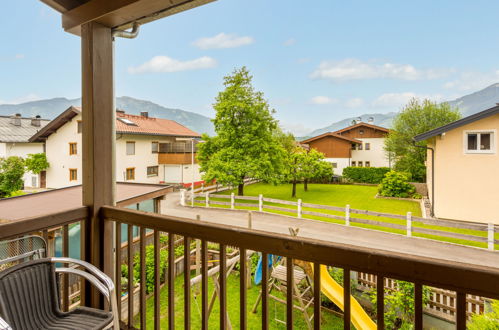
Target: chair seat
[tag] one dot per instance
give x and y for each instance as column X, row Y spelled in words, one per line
column 80, row 318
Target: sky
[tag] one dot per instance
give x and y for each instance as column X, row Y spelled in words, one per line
column 316, row 64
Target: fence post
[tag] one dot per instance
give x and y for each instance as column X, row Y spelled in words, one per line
column 260, row 203
column 202, row 187
column 207, row 199
column 299, row 208
column 232, row 201
column 250, row 220
column 182, row 197
column 347, row 215
column 193, row 196
column 490, row 238
column 409, row 224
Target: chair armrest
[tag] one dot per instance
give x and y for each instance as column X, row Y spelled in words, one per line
column 4, row 325
column 95, row 276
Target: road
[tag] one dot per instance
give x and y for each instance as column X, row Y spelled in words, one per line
column 335, row 233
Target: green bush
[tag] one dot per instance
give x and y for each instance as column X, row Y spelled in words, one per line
column 396, row 184
column 365, row 174
column 488, row 320
column 163, row 258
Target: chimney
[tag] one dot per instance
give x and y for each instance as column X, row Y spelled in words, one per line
column 144, row 114
column 16, row 119
column 370, row 120
column 120, row 112
column 35, row 121
column 358, row 120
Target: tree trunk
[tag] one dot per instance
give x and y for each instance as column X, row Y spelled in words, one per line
column 240, row 189
column 305, row 184
column 293, row 194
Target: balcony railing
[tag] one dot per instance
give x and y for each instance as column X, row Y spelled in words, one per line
column 177, row 147
column 167, row 230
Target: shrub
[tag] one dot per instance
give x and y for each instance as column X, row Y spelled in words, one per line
column 488, row 320
column 365, row 174
column 163, row 257
column 396, row 184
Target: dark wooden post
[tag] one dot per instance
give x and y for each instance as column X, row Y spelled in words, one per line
column 98, row 137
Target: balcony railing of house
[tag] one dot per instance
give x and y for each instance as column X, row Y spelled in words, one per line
column 162, row 233
column 177, row 147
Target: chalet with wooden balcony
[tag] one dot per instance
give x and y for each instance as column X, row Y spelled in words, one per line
column 148, row 150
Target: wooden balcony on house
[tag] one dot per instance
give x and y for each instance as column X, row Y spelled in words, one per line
column 164, row 233
column 176, row 153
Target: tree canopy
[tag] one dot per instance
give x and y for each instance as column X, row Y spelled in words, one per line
column 36, row 163
column 11, row 175
column 245, row 145
column 415, row 118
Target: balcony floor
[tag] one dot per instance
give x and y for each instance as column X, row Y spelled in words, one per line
column 336, row 233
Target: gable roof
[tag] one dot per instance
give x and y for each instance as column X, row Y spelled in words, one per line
column 140, row 125
column 457, row 123
column 12, row 133
column 362, row 124
column 333, row 135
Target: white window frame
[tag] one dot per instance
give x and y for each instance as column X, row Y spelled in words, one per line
column 492, row 132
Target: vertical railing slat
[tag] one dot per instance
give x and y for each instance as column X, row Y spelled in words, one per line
column 242, row 289
column 418, row 306
column 223, row 287
column 117, row 280
column 204, row 285
column 460, row 311
column 346, row 299
column 380, row 301
column 265, row 291
column 82, row 257
column 187, row 282
column 157, row 284
column 130, row 274
column 142, row 278
column 289, row 292
column 171, row 281
column 317, row 295
column 65, row 279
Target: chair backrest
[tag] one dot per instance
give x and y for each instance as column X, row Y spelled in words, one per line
column 29, row 295
column 18, row 250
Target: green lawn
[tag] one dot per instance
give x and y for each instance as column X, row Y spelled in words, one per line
column 357, row 196
column 329, row 321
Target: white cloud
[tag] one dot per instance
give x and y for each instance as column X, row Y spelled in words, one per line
column 397, row 100
column 223, row 40
column 321, row 100
column 168, row 64
column 472, row 81
column 23, row 99
column 354, row 103
column 290, row 42
column 354, row 69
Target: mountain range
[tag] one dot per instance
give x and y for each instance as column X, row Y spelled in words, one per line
column 51, row 108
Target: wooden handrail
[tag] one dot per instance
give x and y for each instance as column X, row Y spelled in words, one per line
column 461, row 277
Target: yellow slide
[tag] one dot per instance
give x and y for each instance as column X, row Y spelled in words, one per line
column 334, row 292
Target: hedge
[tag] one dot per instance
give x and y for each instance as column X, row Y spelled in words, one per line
column 365, row 174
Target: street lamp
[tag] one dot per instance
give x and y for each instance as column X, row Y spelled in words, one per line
column 192, row 139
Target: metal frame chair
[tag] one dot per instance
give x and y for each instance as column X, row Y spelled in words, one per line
column 29, row 290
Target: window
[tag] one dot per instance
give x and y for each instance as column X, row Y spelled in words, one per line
column 479, row 142
column 353, row 146
column 361, row 132
column 368, row 164
column 73, row 174
column 130, row 173
column 79, row 126
column 72, row 148
column 368, row 146
column 335, row 165
column 155, row 147
column 130, row 148
column 359, row 147
column 127, row 121
column 354, row 163
column 360, row 163
column 152, row 170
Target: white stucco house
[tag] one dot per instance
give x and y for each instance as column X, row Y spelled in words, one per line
column 361, row 145
column 15, row 132
column 148, row 150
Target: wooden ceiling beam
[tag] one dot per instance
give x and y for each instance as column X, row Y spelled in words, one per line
column 91, row 11
column 62, row 6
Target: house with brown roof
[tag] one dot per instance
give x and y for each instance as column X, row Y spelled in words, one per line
column 360, row 144
column 148, row 150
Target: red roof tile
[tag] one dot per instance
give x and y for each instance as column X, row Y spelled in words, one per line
column 152, row 126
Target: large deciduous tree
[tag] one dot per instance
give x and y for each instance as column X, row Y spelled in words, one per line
column 11, row 175
column 36, row 162
column 415, row 118
column 245, row 145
